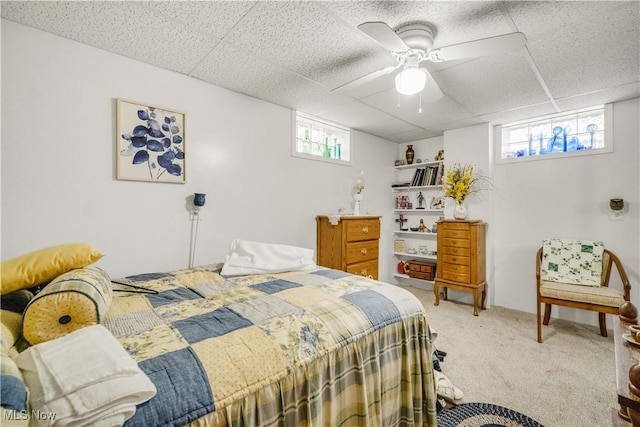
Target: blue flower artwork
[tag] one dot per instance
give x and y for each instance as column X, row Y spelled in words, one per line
column 150, row 144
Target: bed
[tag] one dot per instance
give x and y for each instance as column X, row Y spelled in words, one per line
column 295, row 348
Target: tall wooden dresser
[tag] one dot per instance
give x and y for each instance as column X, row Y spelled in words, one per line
column 350, row 245
column 461, row 261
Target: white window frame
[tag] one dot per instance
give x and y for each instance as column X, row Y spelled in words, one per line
column 326, row 129
column 608, row 137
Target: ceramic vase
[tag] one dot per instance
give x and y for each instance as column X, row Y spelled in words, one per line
column 357, row 198
column 460, row 211
column 409, row 154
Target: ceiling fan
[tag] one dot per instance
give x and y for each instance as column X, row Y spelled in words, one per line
column 412, row 44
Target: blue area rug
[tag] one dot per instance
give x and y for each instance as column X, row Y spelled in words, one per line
column 483, row 415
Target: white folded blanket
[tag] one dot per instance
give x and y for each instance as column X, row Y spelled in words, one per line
column 84, row 378
column 247, row 257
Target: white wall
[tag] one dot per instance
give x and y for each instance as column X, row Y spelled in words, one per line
column 567, row 197
column 58, row 174
column 58, row 183
column 563, row 197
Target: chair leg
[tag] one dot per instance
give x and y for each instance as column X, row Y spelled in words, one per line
column 603, row 324
column 539, row 322
column 547, row 314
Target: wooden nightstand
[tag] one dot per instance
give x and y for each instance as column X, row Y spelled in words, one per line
column 461, row 261
column 351, row 245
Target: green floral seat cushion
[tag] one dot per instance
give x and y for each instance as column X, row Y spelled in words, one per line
column 577, row 262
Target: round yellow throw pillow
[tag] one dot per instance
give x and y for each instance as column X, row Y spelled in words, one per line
column 73, row 300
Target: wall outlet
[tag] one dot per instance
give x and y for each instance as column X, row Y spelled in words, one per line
column 616, row 216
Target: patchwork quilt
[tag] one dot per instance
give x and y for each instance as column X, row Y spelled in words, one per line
column 297, row 348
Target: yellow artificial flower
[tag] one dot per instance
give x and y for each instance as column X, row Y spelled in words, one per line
column 459, row 182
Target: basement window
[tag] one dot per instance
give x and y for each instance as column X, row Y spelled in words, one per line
column 572, row 133
column 318, row 139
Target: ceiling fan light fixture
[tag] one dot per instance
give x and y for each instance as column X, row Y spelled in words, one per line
column 410, row 81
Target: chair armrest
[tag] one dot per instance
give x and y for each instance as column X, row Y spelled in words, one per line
column 538, row 263
column 623, row 275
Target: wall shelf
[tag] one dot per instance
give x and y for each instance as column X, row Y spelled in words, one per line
column 417, row 233
column 416, row 256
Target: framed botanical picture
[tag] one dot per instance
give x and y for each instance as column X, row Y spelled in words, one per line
column 150, row 143
column 437, row 203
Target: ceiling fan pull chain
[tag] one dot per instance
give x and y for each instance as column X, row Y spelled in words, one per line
column 420, row 103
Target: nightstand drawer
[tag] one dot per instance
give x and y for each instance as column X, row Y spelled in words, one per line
column 367, row 268
column 365, row 229
column 362, row 251
column 456, row 260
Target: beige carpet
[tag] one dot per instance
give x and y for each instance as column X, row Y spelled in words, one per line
column 568, row 380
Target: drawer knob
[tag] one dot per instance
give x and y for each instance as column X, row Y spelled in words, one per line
column 365, row 229
column 363, row 251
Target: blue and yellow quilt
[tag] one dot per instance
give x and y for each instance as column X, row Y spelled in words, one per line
column 296, row 348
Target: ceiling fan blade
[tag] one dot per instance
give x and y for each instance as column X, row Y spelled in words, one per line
column 431, row 91
column 365, row 79
column 490, row 46
column 382, row 34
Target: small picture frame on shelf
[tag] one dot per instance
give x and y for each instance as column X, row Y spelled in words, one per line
column 398, row 245
column 437, row 203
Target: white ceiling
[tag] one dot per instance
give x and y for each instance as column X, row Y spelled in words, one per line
column 293, row 53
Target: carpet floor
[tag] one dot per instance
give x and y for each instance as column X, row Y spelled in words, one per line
column 568, row 380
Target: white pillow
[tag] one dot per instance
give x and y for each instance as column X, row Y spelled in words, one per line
column 247, row 257
column 578, row 262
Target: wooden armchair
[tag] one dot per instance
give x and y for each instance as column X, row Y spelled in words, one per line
column 601, row 298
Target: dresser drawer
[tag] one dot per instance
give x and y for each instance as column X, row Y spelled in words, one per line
column 456, row 259
column 362, row 251
column 454, row 250
column 455, row 234
column 456, row 268
column 456, row 277
column 366, row 268
column 453, row 225
column 365, row 229
column 456, row 243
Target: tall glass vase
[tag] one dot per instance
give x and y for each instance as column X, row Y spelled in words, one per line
column 460, row 210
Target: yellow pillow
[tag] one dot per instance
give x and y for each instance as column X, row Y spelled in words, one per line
column 44, row 265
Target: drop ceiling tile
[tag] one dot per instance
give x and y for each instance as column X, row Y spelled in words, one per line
column 215, row 18
column 605, row 96
column 367, row 119
column 595, row 44
column 517, row 114
column 433, row 113
column 454, row 21
column 116, row 27
column 492, row 83
column 414, row 135
column 455, row 124
column 229, row 68
column 304, row 39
